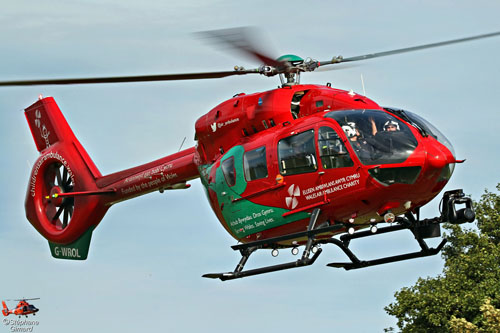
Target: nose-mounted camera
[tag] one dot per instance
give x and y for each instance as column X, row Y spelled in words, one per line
column 450, row 213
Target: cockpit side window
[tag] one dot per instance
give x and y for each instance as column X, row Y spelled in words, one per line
column 255, row 164
column 377, row 137
column 332, row 151
column 228, row 171
column 297, row 154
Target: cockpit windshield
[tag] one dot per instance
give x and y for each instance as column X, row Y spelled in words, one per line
column 430, row 129
column 376, row 136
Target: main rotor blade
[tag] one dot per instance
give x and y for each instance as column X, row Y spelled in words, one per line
column 407, row 49
column 121, row 79
column 242, row 39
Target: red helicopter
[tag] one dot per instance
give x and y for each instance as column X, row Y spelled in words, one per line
column 23, row 308
column 290, row 167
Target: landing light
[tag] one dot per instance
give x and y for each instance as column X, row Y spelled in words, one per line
column 351, row 230
column 275, row 252
column 389, row 217
column 295, row 251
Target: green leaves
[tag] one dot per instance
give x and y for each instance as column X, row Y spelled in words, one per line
column 466, row 296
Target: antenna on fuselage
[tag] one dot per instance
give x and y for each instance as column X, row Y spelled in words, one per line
column 363, row 85
column 182, row 144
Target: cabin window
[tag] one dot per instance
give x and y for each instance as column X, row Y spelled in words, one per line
column 255, row 164
column 297, row 154
column 229, row 171
column 332, row 150
column 389, row 176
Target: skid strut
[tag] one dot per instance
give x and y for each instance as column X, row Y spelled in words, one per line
column 246, row 251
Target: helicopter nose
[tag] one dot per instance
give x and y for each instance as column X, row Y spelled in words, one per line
column 439, row 155
column 437, row 159
column 440, row 162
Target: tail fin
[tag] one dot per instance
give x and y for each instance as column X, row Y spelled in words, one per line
column 62, row 167
column 5, row 309
column 48, row 127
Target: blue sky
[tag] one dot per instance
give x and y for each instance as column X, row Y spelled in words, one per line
column 148, row 254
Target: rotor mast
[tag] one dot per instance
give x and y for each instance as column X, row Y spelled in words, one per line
column 292, row 76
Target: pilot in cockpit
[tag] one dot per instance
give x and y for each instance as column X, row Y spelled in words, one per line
column 391, row 139
column 358, row 141
column 391, row 126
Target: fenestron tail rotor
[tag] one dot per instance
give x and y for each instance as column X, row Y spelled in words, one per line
column 59, row 209
column 245, row 40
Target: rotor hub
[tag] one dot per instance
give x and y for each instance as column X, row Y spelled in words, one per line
column 293, row 59
column 291, row 75
column 54, row 197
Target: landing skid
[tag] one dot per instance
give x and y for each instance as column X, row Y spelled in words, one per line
column 421, row 229
column 356, row 263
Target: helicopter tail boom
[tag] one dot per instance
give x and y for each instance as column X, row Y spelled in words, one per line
column 67, row 196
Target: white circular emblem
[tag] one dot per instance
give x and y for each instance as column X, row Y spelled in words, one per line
column 294, row 192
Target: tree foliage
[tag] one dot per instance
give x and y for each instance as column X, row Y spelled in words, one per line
column 466, row 296
column 490, row 321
